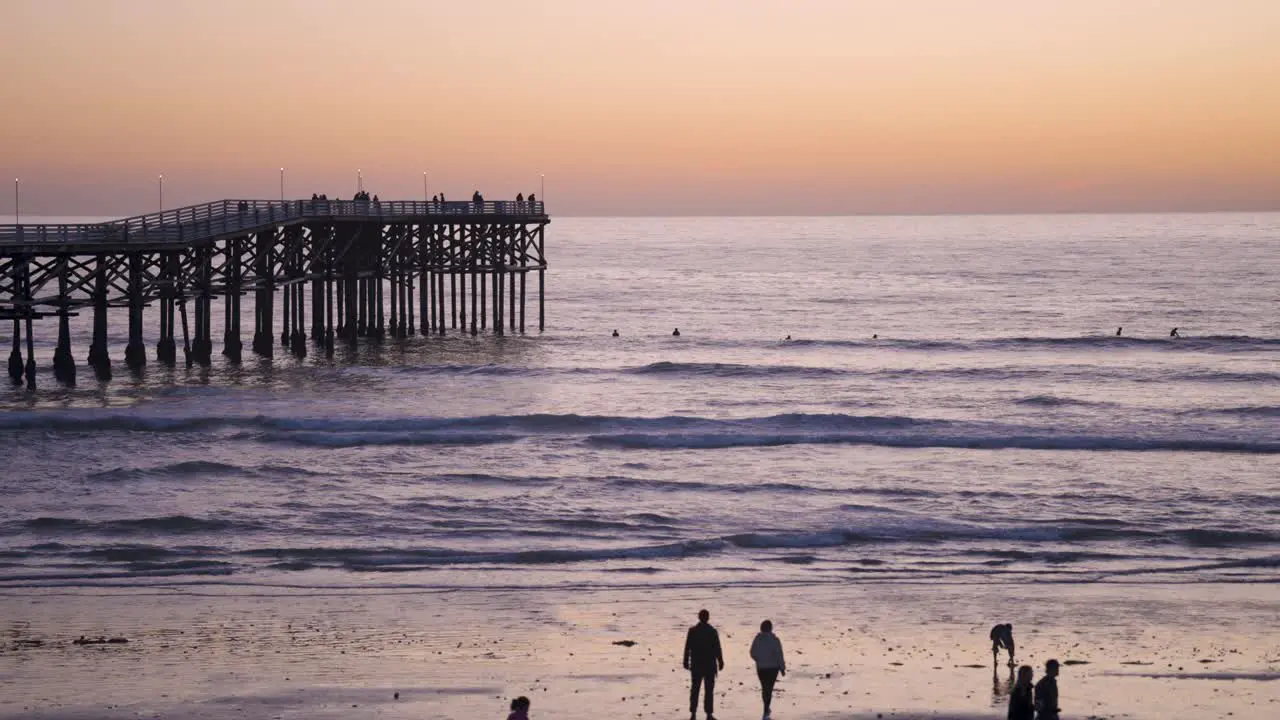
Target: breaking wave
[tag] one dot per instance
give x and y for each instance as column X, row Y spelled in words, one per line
column 675, row 432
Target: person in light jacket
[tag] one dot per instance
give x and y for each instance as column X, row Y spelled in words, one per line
column 766, row 650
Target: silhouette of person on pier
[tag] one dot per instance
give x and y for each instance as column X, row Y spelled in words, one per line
column 519, row 197
column 703, row 659
column 675, row 333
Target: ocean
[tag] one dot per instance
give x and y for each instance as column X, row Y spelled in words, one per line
column 953, row 406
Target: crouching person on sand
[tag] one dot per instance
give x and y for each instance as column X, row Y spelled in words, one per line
column 766, row 650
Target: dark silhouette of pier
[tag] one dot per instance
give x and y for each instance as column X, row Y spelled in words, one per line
column 350, row 269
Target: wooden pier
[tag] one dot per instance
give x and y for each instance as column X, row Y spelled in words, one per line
column 340, row 270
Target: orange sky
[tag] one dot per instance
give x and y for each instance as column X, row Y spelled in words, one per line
column 648, row 107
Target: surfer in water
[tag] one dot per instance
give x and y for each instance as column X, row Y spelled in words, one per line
column 1119, row 330
column 675, row 333
column 1002, row 637
column 1173, row 332
column 615, row 333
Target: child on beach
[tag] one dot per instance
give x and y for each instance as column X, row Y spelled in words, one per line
column 519, row 709
column 1021, row 701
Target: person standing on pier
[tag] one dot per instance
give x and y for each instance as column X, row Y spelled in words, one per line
column 703, row 659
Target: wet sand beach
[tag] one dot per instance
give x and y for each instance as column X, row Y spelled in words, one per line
column 862, row 651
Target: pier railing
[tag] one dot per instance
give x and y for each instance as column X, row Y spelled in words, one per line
column 197, row 223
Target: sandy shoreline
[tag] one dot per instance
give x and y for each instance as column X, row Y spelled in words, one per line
column 854, row 651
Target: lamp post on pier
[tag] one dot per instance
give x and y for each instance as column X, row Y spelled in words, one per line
column 162, row 192
column 281, row 185
column 425, row 196
column 359, row 181
column 542, row 187
column 17, row 210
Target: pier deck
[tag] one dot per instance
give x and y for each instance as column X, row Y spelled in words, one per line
column 356, row 268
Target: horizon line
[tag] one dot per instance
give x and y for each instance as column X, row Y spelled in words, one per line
column 979, row 213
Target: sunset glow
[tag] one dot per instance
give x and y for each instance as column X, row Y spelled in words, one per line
column 663, row 107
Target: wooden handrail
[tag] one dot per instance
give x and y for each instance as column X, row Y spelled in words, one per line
column 195, row 223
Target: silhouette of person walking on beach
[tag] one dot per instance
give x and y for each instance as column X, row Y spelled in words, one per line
column 1022, row 699
column 703, row 659
column 766, row 650
column 519, row 709
column 1001, row 637
column 1047, row 693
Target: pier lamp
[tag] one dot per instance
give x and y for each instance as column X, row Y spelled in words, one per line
column 425, row 196
column 542, row 187
column 17, row 210
column 281, row 184
column 359, row 181
column 162, row 192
